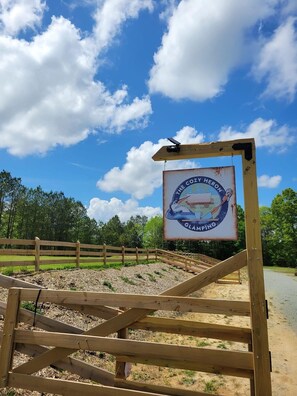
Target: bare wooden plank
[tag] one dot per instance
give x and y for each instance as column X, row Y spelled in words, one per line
column 90, row 246
column 41, row 321
column 100, row 312
column 26, row 252
column 58, row 243
column 8, row 281
column 198, row 365
column 114, row 248
column 10, row 322
column 219, row 360
column 213, row 149
column 262, row 378
column 164, row 390
column 135, row 314
column 75, row 366
column 195, row 329
column 45, row 252
column 150, row 302
column 68, row 388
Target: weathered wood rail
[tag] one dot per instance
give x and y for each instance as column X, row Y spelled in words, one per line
column 77, row 253
column 68, row 253
column 121, row 312
column 195, row 263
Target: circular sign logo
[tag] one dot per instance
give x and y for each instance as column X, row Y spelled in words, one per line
column 199, row 203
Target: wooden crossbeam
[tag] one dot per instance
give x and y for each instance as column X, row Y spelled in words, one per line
column 195, row 329
column 68, row 388
column 164, row 390
column 209, row 360
column 150, row 302
column 135, row 314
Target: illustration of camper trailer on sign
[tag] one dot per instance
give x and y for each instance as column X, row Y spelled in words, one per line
column 201, row 202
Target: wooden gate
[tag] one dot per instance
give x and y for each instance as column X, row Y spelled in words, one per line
column 137, row 314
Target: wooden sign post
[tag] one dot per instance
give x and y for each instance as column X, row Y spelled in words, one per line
column 246, row 148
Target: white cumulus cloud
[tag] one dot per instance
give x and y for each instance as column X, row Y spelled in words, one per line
column 110, row 16
column 17, row 15
column 269, row 181
column 102, row 210
column 50, row 94
column 205, row 41
column 277, row 63
column 140, row 175
column 265, row 132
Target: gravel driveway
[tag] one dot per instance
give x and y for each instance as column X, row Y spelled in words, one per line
column 283, row 289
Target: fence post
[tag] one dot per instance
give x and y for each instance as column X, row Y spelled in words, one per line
column 147, row 255
column 104, row 254
column 122, row 369
column 156, row 254
column 37, row 254
column 77, row 254
column 7, row 346
column 123, row 255
column 137, row 257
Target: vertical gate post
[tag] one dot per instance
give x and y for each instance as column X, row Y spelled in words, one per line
column 262, row 380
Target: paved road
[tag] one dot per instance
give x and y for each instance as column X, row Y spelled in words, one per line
column 283, row 288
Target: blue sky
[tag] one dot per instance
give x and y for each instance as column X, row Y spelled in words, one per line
column 90, row 90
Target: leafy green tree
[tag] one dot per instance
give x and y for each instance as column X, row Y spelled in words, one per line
column 133, row 231
column 267, row 235
column 284, row 220
column 153, row 233
column 113, row 231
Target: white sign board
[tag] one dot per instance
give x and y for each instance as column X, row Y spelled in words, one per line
column 200, row 204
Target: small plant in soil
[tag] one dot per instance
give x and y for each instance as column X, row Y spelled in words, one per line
column 188, row 378
column 210, row 386
column 202, row 343
column 30, row 306
column 109, row 285
column 151, row 277
column 127, row 280
column 222, row 346
column 139, row 276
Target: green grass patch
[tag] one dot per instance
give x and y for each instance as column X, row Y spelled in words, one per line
column 10, row 270
column 127, row 280
column 287, row 270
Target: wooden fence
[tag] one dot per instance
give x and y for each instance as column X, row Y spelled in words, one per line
column 121, row 312
column 195, row 263
column 68, row 253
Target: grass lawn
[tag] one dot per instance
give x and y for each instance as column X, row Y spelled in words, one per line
column 287, row 270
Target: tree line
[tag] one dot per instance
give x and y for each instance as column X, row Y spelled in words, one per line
column 29, row 212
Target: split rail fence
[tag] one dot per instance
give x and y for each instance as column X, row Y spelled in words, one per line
column 38, row 252
column 68, row 253
column 34, row 334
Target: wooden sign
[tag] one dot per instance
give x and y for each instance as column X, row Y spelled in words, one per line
column 200, row 204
